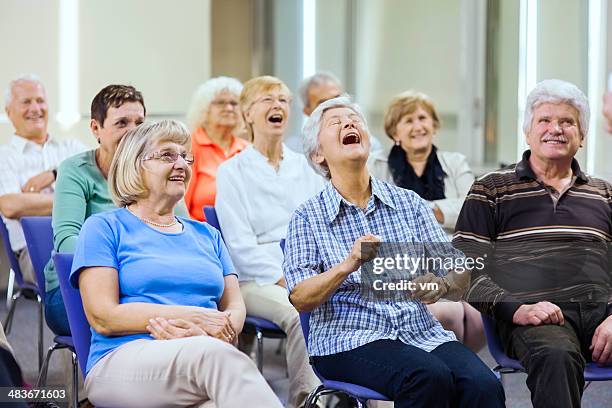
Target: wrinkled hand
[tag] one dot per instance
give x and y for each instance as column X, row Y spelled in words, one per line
column 601, row 345
column 357, row 256
column 537, row 314
column 425, row 295
column 607, row 110
column 215, row 323
column 38, row 183
column 163, row 329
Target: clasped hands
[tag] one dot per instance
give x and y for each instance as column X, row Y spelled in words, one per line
column 358, row 256
column 207, row 323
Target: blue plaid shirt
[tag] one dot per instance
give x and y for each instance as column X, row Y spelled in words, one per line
column 321, row 235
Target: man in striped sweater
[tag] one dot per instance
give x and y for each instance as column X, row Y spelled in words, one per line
column 544, row 228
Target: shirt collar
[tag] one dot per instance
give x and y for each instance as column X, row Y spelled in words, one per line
column 20, row 143
column 332, row 198
column 523, row 169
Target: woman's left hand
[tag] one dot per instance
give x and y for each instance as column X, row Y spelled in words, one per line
column 163, row 329
column 429, row 296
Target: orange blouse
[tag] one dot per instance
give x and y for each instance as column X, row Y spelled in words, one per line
column 208, row 156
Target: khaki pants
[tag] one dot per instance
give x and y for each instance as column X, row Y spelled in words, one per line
column 196, row 371
column 25, row 264
column 271, row 302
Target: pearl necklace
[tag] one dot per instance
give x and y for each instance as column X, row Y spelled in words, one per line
column 155, row 224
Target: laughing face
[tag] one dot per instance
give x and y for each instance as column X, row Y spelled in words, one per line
column 269, row 114
column 28, row 110
column 343, row 138
column 554, row 132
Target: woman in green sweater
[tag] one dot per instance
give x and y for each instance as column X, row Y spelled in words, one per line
column 81, row 189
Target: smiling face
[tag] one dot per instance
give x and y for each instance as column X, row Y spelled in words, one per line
column 223, row 111
column 163, row 178
column 343, row 139
column 117, row 123
column 269, row 113
column 554, row 134
column 415, row 131
column 28, row 110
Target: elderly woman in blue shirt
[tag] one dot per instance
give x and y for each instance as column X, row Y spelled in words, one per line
column 160, row 291
column 393, row 346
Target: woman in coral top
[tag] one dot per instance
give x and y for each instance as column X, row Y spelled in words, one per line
column 215, row 119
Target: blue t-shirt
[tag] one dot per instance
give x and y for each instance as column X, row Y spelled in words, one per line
column 186, row 269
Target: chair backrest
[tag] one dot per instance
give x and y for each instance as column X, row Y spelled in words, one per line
column 305, row 322
column 211, row 217
column 38, row 233
column 10, row 254
column 79, row 327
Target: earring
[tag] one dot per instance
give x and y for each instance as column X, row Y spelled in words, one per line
column 397, row 142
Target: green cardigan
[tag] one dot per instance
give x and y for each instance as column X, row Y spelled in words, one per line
column 80, row 191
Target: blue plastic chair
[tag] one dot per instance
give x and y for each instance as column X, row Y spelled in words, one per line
column 361, row 394
column 79, row 326
column 507, row 365
column 253, row 325
column 38, row 233
column 25, row 290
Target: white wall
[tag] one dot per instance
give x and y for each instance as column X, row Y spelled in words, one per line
column 161, row 49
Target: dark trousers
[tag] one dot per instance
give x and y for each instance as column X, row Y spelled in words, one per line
column 555, row 356
column 449, row 376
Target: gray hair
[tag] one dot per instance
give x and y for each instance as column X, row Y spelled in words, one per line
column 204, row 95
column 557, row 91
column 8, row 94
column 316, row 80
column 312, row 128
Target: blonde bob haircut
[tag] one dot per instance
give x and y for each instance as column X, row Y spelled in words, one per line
column 256, row 88
column 404, row 104
column 125, row 177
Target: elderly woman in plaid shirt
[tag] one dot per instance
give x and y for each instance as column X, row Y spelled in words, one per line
column 395, row 347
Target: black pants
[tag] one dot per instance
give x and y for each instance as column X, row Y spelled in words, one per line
column 555, row 356
column 449, row 376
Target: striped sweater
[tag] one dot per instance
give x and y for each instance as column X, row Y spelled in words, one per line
column 537, row 244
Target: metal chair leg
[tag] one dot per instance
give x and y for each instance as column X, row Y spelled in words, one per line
column 313, row 397
column 75, row 381
column 42, row 375
column 281, row 346
column 10, row 288
column 259, row 336
column 40, row 331
column 8, row 322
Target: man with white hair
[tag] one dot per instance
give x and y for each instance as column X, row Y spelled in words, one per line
column 29, row 162
column 543, row 227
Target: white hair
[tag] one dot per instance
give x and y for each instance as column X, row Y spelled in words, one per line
column 204, row 95
column 557, row 91
column 312, row 128
column 316, row 80
column 8, row 94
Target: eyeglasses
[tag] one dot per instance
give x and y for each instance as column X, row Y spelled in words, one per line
column 223, row 103
column 269, row 100
column 170, row 157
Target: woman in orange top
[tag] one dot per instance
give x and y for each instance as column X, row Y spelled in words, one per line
column 214, row 118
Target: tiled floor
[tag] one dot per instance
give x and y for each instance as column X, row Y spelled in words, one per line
column 23, row 340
